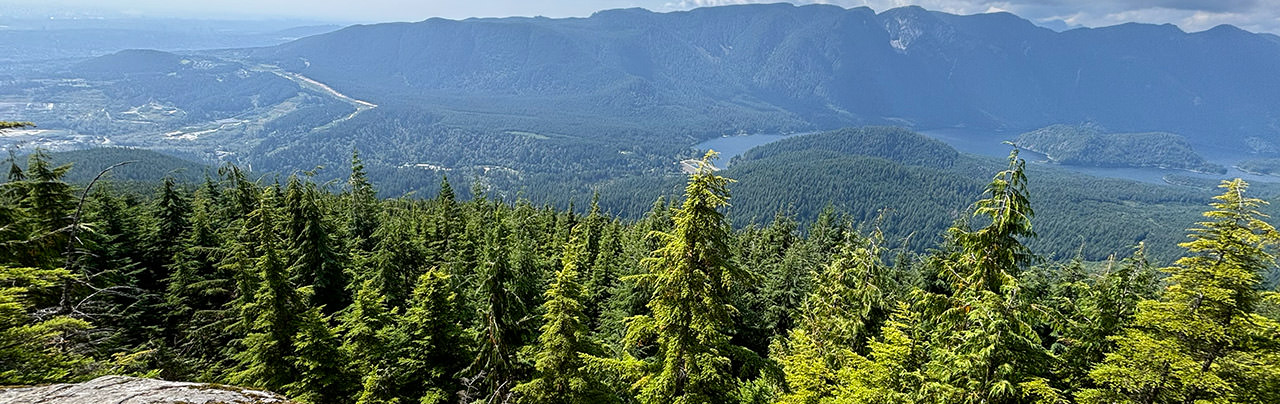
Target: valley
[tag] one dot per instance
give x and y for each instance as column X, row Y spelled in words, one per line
column 907, row 206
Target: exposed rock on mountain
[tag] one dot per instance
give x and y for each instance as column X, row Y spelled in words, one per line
column 132, row 390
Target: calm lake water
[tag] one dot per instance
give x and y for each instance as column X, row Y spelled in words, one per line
column 990, row 143
column 730, row 146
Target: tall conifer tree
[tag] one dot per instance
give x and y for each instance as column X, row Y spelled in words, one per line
column 691, row 276
column 1203, row 340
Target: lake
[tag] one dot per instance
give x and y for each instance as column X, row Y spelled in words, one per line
column 731, row 146
column 990, row 143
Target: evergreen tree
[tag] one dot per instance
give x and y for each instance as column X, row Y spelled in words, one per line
column 429, row 348
column 362, row 201
column 34, row 350
column 894, row 371
column 321, row 363
column 266, row 359
column 1098, row 312
column 846, row 307
column 198, row 292
column 46, row 203
column 691, row 276
column 501, row 309
column 398, row 259
column 629, row 299
column 557, row 355
column 1201, row 341
column 172, row 212
column 315, row 258
column 986, row 350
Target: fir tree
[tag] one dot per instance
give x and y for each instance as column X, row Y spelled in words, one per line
column 266, row 358
column 321, row 363
column 691, row 275
column 1200, row 340
column 315, row 258
column 560, row 376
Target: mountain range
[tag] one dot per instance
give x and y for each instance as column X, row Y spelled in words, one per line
column 556, row 109
column 780, row 67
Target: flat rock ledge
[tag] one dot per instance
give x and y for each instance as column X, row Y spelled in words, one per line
column 133, row 390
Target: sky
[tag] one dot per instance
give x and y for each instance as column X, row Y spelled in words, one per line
column 1190, row 15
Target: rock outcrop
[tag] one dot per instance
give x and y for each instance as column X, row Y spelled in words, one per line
column 133, row 390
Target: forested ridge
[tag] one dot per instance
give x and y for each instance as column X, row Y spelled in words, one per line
column 332, row 295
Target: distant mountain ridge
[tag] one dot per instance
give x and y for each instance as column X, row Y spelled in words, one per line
column 785, row 67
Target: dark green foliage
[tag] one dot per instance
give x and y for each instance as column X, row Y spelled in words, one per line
column 1089, row 146
column 315, row 258
column 274, row 314
column 449, row 300
column 1267, row 166
column 323, row 376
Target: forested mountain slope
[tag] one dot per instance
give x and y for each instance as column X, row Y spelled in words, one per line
column 573, row 104
column 781, row 67
column 921, row 186
column 339, row 297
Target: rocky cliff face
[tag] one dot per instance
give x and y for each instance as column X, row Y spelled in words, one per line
column 132, row 390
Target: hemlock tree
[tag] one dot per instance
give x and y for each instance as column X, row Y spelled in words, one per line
column 323, row 376
column 986, row 350
column 1203, row 341
column 315, row 260
column 691, row 275
column 266, row 360
column 561, row 377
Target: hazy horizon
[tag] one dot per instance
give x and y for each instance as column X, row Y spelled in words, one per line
column 1190, row 15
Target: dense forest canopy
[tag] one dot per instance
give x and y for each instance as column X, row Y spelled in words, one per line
column 339, row 296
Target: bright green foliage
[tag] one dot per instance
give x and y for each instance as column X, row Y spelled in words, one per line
column 366, row 326
column 1203, row 341
column 33, row 350
column 985, row 347
column 560, row 376
column 691, row 275
column 846, row 307
column 429, row 349
column 322, row 373
column 894, row 373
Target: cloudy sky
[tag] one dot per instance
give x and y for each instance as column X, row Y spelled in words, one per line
column 1191, row 15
